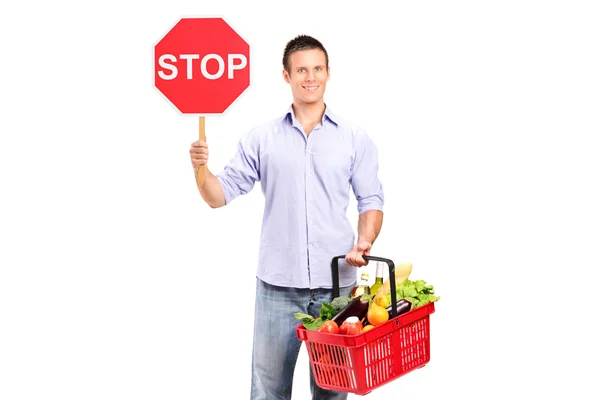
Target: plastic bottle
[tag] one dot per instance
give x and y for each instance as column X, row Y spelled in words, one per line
column 362, row 287
column 351, row 326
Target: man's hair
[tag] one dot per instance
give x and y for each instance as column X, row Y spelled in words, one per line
column 302, row 42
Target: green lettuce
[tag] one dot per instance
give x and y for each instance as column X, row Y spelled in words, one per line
column 417, row 292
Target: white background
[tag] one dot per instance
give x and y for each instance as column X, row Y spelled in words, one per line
column 118, row 282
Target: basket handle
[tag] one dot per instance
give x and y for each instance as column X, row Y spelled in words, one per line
column 336, row 278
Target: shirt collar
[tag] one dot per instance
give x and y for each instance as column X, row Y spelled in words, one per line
column 327, row 115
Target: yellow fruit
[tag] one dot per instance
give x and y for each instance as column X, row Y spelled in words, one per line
column 377, row 314
column 367, row 328
column 383, row 301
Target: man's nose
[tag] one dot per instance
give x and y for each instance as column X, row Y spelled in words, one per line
column 310, row 75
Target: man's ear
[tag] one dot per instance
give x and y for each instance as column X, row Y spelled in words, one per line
column 286, row 76
column 328, row 73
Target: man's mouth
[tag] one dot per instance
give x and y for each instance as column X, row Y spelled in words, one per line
column 310, row 88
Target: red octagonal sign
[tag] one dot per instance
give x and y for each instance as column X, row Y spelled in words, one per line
column 202, row 65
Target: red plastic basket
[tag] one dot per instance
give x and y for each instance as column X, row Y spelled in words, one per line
column 361, row 363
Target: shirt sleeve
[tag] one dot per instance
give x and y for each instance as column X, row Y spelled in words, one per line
column 243, row 170
column 364, row 179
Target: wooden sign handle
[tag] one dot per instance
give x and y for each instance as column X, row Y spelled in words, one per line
column 201, row 168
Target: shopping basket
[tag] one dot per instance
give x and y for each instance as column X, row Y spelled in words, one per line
column 361, row 363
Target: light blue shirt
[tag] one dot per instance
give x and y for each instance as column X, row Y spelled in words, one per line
column 306, row 183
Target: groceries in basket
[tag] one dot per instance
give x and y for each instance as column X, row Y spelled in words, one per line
column 371, row 309
column 398, row 337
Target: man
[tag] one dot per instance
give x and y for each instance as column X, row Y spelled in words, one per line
column 306, row 161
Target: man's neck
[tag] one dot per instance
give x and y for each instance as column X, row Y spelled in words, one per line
column 309, row 113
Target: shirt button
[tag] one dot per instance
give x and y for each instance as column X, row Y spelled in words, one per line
column 310, row 198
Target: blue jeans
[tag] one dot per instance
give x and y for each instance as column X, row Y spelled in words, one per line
column 276, row 346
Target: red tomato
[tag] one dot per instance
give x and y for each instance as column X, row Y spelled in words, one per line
column 329, row 326
column 343, row 328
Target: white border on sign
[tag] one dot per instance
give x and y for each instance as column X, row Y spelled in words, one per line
column 152, row 72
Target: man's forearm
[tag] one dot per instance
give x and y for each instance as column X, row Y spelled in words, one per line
column 369, row 225
column 211, row 191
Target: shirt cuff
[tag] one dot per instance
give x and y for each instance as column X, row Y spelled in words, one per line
column 227, row 189
column 370, row 203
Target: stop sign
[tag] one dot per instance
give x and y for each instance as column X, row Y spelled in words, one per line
column 202, row 65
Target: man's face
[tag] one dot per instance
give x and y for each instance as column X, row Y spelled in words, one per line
column 308, row 75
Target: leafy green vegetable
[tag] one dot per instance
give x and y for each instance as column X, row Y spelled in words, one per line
column 309, row 321
column 417, row 292
column 327, row 311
